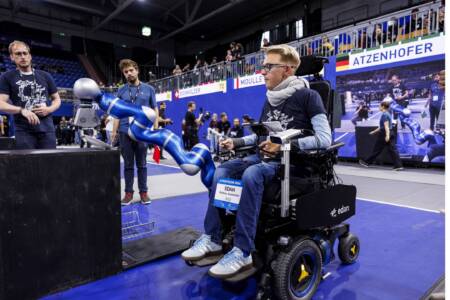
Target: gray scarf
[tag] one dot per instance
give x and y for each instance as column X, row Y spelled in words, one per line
column 285, row 89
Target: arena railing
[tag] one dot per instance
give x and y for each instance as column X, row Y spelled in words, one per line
column 387, row 29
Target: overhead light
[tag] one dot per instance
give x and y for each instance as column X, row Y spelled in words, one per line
column 124, row 46
column 146, row 31
column 62, row 34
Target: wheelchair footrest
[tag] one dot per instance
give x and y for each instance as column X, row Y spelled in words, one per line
column 243, row 275
column 208, row 260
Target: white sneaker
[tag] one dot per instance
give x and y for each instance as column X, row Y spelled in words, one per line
column 201, row 248
column 232, row 263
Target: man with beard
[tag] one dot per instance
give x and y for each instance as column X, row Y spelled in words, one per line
column 138, row 93
column 34, row 98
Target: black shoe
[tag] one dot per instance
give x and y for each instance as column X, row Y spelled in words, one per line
column 162, row 157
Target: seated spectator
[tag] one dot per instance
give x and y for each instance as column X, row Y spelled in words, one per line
column 266, row 42
column 378, row 37
column 327, row 47
column 392, row 31
column 177, row 70
column 236, row 131
column 364, row 42
column 186, row 68
column 441, row 16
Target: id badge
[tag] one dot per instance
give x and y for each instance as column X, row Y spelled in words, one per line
column 435, row 98
column 228, row 194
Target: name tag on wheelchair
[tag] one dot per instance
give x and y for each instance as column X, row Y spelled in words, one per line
column 228, row 194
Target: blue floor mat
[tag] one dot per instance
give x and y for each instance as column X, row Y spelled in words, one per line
column 402, row 255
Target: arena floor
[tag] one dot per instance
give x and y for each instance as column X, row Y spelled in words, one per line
column 399, row 221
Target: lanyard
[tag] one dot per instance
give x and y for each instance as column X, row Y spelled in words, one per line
column 133, row 99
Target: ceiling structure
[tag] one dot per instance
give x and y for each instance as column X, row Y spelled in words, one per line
column 182, row 20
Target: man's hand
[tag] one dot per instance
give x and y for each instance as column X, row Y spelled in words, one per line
column 32, row 118
column 270, row 148
column 386, row 139
column 227, row 144
column 42, row 111
column 373, row 132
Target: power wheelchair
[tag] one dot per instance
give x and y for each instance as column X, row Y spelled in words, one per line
column 301, row 216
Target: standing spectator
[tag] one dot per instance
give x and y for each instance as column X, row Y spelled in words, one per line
column 233, row 49
column 163, row 122
column 186, row 68
column 327, row 47
column 236, row 131
column 214, row 60
column 192, row 124
column 30, row 92
column 435, row 99
column 238, row 51
column 392, row 30
column 385, row 139
column 212, row 127
column 224, row 125
column 139, row 93
column 399, row 94
column 266, row 43
column 177, row 70
column 378, row 36
column 229, row 57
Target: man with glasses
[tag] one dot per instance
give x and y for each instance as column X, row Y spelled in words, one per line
column 33, row 96
column 290, row 102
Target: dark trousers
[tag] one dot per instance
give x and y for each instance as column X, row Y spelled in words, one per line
column 35, row 140
column 131, row 151
column 380, row 144
column 192, row 139
column 254, row 175
column 434, row 115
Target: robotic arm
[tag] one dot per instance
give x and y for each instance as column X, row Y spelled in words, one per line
column 140, row 129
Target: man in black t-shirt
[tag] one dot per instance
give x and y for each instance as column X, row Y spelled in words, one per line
column 191, row 125
column 224, row 125
column 163, row 122
column 34, row 98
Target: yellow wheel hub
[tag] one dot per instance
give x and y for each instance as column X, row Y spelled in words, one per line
column 303, row 273
column 353, row 249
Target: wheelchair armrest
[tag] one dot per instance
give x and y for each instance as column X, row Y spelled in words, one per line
column 316, row 151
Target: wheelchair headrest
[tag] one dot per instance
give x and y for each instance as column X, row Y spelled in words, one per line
column 311, row 64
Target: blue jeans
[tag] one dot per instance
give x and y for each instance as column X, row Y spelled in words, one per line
column 254, row 175
column 35, row 140
column 132, row 150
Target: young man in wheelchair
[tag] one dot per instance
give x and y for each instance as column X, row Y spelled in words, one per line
column 294, row 105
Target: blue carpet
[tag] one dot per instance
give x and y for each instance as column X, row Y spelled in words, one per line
column 153, row 170
column 402, row 255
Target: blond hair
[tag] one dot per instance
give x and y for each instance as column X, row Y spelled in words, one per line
column 289, row 54
column 126, row 63
column 14, row 43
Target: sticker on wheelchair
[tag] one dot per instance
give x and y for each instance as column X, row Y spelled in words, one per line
column 228, row 194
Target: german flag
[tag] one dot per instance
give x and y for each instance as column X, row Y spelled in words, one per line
column 342, row 62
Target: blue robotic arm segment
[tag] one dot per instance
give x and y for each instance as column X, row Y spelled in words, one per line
column 140, row 129
column 420, row 136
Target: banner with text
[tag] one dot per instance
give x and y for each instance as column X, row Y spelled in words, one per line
column 209, row 88
column 167, row 96
column 248, row 81
column 396, row 53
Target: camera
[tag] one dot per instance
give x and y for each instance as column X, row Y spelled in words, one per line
column 206, row 115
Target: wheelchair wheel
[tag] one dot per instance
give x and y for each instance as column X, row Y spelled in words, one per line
column 348, row 248
column 298, row 271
